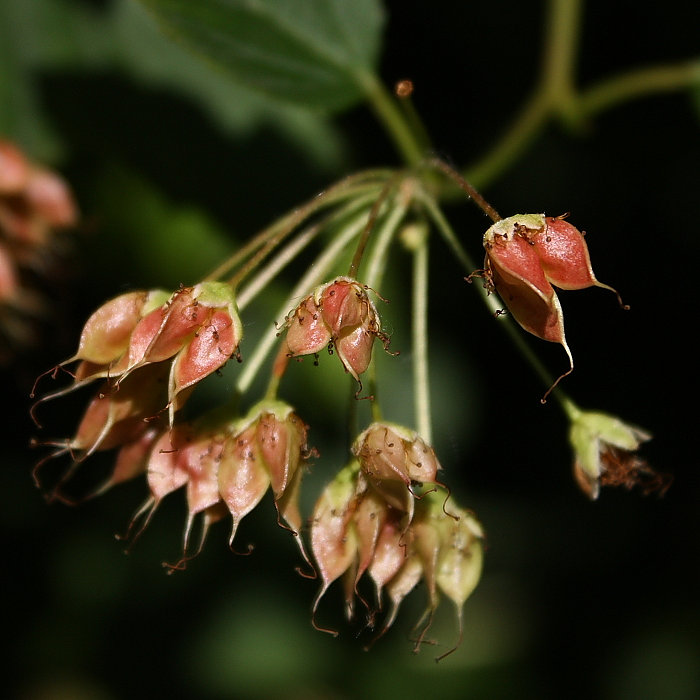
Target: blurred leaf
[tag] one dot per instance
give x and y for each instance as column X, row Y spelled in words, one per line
column 158, row 242
column 148, row 55
column 49, row 35
column 314, row 53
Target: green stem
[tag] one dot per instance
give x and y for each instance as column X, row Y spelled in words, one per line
column 639, row 83
column 350, row 186
column 369, row 226
column 384, row 105
column 555, row 91
column 292, row 249
column 523, row 130
column 559, row 58
column 376, row 263
column 419, row 329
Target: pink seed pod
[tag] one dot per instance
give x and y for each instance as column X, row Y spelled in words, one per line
column 340, row 315
column 187, row 456
column 267, row 448
column 107, row 333
column 444, row 549
column 525, row 255
column 242, row 478
column 334, row 540
column 115, row 418
column 307, row 332
column 197, row 329
column 395, row 460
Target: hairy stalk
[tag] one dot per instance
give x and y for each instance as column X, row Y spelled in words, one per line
column 314, row 276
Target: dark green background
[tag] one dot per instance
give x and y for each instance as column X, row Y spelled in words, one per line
column 578, row 599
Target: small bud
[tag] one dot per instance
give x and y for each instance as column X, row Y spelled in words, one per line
column 605, row 452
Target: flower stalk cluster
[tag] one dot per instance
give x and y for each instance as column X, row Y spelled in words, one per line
column 386, row 520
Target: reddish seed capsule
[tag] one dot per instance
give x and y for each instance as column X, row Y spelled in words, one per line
column 525, row 255
column 341, row 313
column 394, row 459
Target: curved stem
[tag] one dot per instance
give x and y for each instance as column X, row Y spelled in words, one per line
column 292, row 249
column 523, row 130
column 639, row 83
column 371, row 222
column 555, row 91
column 559, row 58
column 349, row 186
column 408, row 143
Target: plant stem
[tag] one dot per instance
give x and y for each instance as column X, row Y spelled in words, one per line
column 638, row 83
column 376, row 263
column 465, row 185
column 508, row 148
column 407, row 142
column 559, row 57
column 348, row 187
column 555, row 90
column 371, row 222
column 293, row 248
column 419, row 329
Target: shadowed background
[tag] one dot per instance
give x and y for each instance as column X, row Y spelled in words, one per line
column 577, row 598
